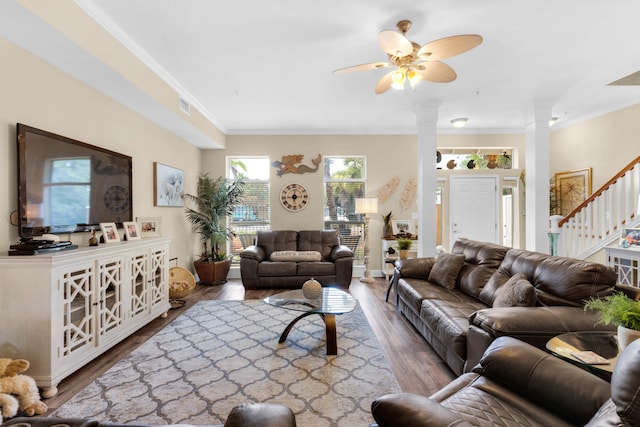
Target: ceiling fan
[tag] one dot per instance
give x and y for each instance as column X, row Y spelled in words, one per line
column 413, row 62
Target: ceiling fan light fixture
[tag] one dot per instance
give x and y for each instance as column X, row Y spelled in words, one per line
column 398, row 78
column 459, row 122
column 413, row 77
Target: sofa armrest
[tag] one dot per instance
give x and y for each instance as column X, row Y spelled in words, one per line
column 535, row 321
column 340, row 251
column 630, row 291
column 262, row 414
column 253, row 252
column 551, row 382
column 405, row 409
column 414, row 267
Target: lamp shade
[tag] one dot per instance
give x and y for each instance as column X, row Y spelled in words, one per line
column 367, row 205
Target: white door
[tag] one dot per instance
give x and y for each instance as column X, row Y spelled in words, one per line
column 474, row 208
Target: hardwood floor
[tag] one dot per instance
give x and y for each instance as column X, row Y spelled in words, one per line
column 417, row 368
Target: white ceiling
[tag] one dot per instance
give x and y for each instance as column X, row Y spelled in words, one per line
column 265, row 67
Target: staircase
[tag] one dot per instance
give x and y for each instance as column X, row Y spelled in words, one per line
column 598, row 221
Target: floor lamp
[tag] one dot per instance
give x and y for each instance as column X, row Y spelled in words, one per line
column 366, row 206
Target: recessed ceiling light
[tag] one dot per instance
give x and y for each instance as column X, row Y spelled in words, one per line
column 460, row 122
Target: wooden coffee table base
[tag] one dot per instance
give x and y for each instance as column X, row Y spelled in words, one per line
column 330, row 328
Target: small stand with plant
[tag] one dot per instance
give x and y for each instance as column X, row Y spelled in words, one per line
column 213, row 204
column 404, row 244
column 620, row 310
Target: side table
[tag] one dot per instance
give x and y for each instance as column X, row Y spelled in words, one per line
column 390, row 259
column 603, row 343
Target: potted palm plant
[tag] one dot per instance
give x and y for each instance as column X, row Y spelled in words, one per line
column 620, row 310
column 213, row 203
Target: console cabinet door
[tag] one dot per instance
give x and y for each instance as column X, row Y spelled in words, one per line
column 139, row 284
column 77, row 290
column 158, row 278
column 110, row 310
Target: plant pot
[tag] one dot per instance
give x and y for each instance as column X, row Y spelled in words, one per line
column 404, row 253
column 626, row 336
column 387, row 231
column 212, row 273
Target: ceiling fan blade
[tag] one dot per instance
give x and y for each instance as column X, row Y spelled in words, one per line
column 363, row 67
column 435, row 71
column 394, row 43
column 384, row 83
column 448, row 47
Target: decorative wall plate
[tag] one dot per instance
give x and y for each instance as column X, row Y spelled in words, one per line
column 294, row 197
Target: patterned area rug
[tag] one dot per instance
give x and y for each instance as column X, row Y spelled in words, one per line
column 219, row 354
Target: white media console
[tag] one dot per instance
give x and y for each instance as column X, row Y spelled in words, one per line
column 61, row 310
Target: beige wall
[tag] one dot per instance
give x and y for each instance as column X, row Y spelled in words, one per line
column 606, row 144
column 36, row 94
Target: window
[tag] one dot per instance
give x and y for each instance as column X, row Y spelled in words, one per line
column 344, row 181
column 254, row 214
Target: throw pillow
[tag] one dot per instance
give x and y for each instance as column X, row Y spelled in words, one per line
column 517, row 292
column 296, row 256
column 446, row 269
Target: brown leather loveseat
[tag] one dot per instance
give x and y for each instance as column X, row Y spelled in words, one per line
column 287, row 259
column 462, row 301
column 516, row 384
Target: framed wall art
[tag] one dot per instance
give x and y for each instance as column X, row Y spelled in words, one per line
column 630, row 238
column 109, row 232
column 399, row 226
column 572, row 188
column 131, row 231
column 168, row 185
column 149, row 226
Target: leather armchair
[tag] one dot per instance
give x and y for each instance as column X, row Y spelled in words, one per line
column 245, row 415
column 517, row 384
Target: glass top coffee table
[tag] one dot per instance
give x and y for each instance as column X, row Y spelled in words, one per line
column 332, row 302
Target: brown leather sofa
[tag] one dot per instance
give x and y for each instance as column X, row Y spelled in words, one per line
column 245, row 415
column 260, row 270
column 516, row 384
column 456, row 310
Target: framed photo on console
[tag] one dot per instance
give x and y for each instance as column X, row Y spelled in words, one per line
column 149, row 226
column 131, row 230
column 402, row 226
column 109, row 232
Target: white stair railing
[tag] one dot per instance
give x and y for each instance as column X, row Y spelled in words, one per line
column 597, row 222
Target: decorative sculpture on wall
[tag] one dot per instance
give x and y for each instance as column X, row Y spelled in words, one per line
column 291, row 164
column 409, row 194
column 387, row 190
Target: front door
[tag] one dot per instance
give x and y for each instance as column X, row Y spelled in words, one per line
column 474, row 208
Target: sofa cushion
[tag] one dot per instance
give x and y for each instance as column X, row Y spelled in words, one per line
column 481, row 260
column 515, row 261
column 296, row 256
column 316, row 269
column 568, row 281
column 446, row 269
column 277, row 240
column 318, row 240
column 275, row 269
column 517, row 292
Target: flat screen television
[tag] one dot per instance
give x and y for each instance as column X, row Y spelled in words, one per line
column 68, row 186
